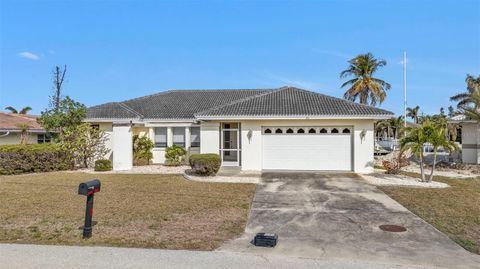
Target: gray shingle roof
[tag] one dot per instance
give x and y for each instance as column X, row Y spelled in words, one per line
column 192, row 104
column 290, row 101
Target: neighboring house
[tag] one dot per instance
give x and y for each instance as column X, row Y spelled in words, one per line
column 10, row 130
column 470, row 132
column 269, row 129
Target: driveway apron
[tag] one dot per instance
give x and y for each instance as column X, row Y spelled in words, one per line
column 337, row 216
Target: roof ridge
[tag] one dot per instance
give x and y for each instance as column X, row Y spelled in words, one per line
column 129, row 109
column 340, row 99
column 268, row 91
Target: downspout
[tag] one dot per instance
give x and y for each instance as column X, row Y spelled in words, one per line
column 6, row 134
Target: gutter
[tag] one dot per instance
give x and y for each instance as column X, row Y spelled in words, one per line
column 296, row 117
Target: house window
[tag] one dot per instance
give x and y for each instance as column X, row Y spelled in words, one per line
column 346, row 131
column 44, row 138
column 300, row 131
column 312, row 131
column 334, row 131
column 195, row 137
column 95, row 126
column 289, row 131
column 160, row 137
column 278, row 131
column 268, row 131
column 179, row 136
column 323, row 131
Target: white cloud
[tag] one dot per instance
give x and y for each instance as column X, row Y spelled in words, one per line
column 29, row 55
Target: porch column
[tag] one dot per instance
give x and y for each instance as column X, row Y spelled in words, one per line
column 169, row 136
column 188, row 142
column 151, row 134
column 122, row 146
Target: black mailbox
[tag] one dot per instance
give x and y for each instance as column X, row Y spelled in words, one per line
column 88, row 189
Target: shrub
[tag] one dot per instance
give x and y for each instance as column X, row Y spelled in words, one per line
column 205, row 164
column 142, row 150
column 103, row 165
column 175, row 155
column 17, row 159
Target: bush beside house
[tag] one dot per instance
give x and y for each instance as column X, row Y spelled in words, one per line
column 142, row 150
column 103, row 165
column 205, row 164
column 175, row 155
column 17, row 159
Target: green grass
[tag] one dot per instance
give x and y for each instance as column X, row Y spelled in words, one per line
column 455, row 211
column 155, row 211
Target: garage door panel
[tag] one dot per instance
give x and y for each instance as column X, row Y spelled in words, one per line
column 307, row 152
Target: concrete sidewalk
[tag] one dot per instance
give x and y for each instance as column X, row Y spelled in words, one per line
column 43, row 256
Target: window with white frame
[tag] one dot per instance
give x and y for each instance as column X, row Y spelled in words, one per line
column 179, row 136
column 44, row 138
column 160, row 137
column 195, row 136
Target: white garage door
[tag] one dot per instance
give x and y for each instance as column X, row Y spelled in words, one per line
column 307, row 148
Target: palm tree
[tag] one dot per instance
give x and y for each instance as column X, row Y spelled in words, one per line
column 24, row 131
column 417, row 137
column 473, row 86
column 413, row 113
column 392, row 126
column 22, row 111
column 414, row 140
column 364, row 86
column 439, row 138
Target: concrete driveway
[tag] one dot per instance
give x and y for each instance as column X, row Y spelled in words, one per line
column 336, row 215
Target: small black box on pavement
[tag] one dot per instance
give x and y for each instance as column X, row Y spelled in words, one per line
column 265, row 240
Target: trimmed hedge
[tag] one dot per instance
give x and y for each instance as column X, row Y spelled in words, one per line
column 205, row 164
column 103, row 165
column 31, row 158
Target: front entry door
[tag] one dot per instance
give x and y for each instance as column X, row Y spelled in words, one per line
column 230, row 146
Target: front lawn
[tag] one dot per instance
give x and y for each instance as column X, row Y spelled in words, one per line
column 157, row 211
column 455, row 211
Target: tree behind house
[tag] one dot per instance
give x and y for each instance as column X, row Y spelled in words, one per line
column 364, row 86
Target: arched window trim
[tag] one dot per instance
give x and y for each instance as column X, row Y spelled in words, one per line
column 323, row 131
column 267, row 131
column 346, row 131
column 300, row 131
column 334, row 131
column 289, row 131
column 279, row 131
column 312, row 129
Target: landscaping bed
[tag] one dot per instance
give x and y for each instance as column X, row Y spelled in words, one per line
column 157, row 211
column 455, row 210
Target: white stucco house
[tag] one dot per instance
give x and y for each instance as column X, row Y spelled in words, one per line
column 470, row 139
column 256, row 130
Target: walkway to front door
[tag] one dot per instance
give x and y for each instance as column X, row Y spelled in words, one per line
column 336, row 215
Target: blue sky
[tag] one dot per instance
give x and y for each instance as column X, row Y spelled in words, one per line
column 116, row 50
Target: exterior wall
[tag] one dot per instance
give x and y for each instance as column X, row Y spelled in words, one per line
column 122, row 147
column 251, row 154
column 209, row 137
column 14, row 138
column 108, row 129
column 470, row 143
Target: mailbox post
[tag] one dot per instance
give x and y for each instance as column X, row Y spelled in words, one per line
column 88, row 189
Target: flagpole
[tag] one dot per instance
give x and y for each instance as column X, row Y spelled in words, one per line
column 405, row 88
